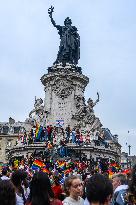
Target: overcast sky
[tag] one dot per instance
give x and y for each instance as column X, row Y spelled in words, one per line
column 29, row 45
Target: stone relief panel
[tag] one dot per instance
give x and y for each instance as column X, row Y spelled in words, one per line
column 63, row 88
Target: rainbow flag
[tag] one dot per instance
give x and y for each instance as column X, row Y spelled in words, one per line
column 37, row 130
column 37, row 164
column 45, row 170
column 62, row 165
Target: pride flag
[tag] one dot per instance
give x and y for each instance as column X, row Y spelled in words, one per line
column 62, row 165
column 37, row 129
column 37, row 164
column 45, row 170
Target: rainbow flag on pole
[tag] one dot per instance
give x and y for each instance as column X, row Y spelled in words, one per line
column 37, row 130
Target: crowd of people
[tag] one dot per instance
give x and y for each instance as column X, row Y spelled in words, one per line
column 51, row 179
column 19, row 188
column 57, row 135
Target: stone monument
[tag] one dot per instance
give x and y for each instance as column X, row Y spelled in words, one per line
column 64, row 84
column 64, row 106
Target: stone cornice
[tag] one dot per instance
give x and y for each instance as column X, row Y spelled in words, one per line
column 96, row 149
column 72, row 76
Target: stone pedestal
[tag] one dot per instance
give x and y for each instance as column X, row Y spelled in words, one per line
column 63, row 86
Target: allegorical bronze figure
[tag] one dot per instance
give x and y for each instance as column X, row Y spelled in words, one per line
column 69, row 49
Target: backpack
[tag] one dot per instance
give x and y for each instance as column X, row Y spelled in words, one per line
column 119, row 198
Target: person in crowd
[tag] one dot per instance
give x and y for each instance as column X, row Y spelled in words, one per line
column 78, row 136
column 7, row 193
column 99, row 190
column 68, row 130
column 19, row 178
column 73, row 135
column 119, row 182
column 130, row 197
column 57, row 189
column 4, row 174
column 41, row 192
column 49, row 130
column 73, row 188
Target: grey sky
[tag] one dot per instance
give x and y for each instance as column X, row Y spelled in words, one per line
column 29, row 45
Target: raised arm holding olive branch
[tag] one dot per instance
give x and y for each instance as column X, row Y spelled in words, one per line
column 50, row 11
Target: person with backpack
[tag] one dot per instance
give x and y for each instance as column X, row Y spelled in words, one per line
column 120, row 187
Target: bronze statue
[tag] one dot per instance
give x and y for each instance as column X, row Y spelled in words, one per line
column 69, row 49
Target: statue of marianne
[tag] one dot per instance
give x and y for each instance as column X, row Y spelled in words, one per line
column 69, row 49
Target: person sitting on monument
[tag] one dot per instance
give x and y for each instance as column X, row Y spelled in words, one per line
column 81, row 139
column 87, row 138
column 68, row 130
column 46, row 133
column 77, row 136
column 49, row 130
column 73, row 135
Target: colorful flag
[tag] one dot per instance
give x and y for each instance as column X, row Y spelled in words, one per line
column 37, row 164
column 37, row 129
column 45, row 170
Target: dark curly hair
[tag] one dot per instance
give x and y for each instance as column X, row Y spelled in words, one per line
column 98, row 189
column 7, row 193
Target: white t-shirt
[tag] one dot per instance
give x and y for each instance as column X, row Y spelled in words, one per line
column 19, row 200
column 26, row 192
column 71, row 201
column 5, row 178
column 86, row 202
